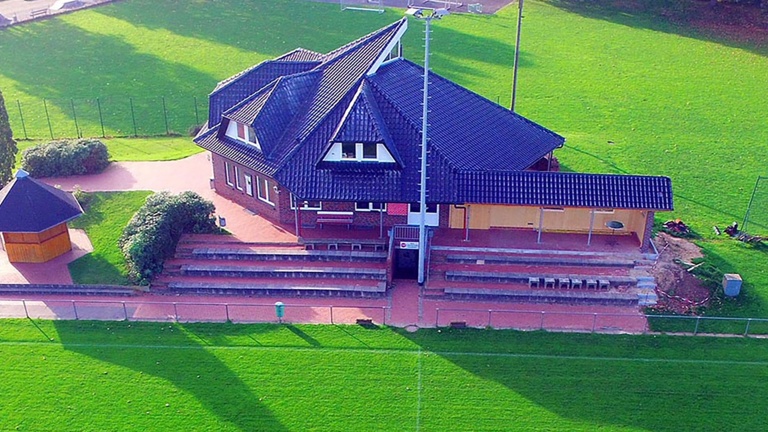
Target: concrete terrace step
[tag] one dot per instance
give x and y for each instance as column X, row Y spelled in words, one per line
column 258, row 254
column 534, row 270
column 481, row 276
column 108, row 290
column 539, row 252
column 282, row 272
column 541, row 296
column 372, row 289
column 550, row 260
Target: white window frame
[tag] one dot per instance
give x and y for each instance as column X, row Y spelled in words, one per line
column 307, row 206
column 361, row 152
column 554, row 209
column 370, row 207
column 263, row 190
column 227, row 174
column 238, row 182
column 604, row 211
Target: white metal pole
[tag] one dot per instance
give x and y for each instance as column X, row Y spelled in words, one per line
column 517, row 54
column 423, row 184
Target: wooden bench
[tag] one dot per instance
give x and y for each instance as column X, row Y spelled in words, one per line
column 335, row 218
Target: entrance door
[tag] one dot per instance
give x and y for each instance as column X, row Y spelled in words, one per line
column 249, row 184
column 432, row 215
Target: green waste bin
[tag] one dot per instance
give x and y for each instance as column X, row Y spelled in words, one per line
column 280, row 311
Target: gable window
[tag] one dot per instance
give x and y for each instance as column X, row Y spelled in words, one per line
column 370, row 206
column 262, row 185
column 241, row 131
column 306, row 204
column 227, row 175
column 238, row 182
column 349, row 151
column 369, row 150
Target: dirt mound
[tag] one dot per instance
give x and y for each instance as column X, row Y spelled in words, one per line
column 679, row 291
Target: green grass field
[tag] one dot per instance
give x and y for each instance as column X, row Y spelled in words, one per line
column 160, row 376
column 104, row 219
column 631, row 92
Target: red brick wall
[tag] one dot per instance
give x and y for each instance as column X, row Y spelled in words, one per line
column 231, row 192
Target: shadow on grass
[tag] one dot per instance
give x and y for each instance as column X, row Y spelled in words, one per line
column 191, row 368
column 733, row 25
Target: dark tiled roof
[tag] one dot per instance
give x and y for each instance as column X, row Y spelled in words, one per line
column 28, row 205
column 233, row 90
column 301, row 55
column 469, row 130
column 566, row 189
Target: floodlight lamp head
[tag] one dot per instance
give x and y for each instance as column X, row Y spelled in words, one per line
column 439, row 13
column 415, row 12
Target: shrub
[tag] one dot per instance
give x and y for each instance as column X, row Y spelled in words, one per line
column 153, row 232
column 66, row 158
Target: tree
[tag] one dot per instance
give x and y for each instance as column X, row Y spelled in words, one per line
column 7, row 146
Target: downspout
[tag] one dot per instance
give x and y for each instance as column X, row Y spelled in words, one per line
column 591, row 226
column 465, row 208
column 541, row 224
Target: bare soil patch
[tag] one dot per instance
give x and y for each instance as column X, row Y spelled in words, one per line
column 679, row 291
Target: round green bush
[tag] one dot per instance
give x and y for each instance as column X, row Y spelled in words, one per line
column 66, row 158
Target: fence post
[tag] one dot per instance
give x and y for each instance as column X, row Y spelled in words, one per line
column 24, row 303
column 165, row 116
column 541, row 325
column 74, row 116
column 331, row 308
column 226, row 310
column 175, row 313
column 21, row 116
column 48, row 117
column 594, row 322
column 437, row 317
column 74, row 308
column 125, row 311
column 696, row 330
column 746, row 330
column 489, row 317
column 384, row 315
column 101, row 118
column 197, row 116
column 133, row 117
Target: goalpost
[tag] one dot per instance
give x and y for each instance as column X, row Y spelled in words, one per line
column 756, row 217
column 362, row 5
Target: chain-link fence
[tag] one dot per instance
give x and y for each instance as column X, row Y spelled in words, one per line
column 108, row 116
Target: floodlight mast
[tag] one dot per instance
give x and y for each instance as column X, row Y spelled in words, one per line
column 427, row 15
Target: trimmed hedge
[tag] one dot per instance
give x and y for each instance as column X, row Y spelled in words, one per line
column 153, row 232
column 66, row 158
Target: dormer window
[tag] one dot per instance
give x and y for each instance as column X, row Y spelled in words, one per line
column 358, row 152
column 242, row 132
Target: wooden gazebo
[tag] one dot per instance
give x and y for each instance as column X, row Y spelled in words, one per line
column 33, row 220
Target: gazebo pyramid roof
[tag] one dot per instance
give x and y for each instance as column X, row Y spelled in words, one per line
column 29, row 205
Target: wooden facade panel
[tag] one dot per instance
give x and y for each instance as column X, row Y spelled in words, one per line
column 37, row 252
column 555, row 220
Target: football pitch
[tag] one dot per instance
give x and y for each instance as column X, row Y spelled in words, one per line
column 69, row 375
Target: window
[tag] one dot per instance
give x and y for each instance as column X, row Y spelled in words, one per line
column 227, row 175
column 306, row 204
column 264, row 192
column 348, row 151
column 370, row 206
column 238, row 183
column 241, row 131
column 553, row 209
column 431, row 208
column 369, row 150
column 604, row 211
